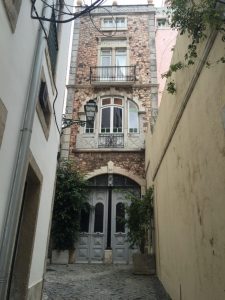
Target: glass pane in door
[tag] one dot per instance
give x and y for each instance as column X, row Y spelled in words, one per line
column 121, row 61
column 117, row 119
column 84, row 218
column 120, row 217
column 99, row 216
column 105, row 125
column 106, row 61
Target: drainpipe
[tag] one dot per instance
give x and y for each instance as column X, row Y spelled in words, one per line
column 15, row 195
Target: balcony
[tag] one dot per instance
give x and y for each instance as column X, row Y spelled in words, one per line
column 111, row 140
column 117, row 75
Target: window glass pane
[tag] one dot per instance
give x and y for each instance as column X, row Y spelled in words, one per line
column 108, row 22
column 89, row 126
column 105, row 126
column 162, row 23
column 120, row 217
column 84, row 220
column 99, row 214
column 133, row 117
column 120, row 22
column 117, row 119
column 106, row 57
column 106, row 61
column 121, row 61
column 118, row 101
column 106, row 101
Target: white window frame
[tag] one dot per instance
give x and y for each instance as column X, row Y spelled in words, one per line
column 85, row 128
column 111, row 106
column 112, row 72
column 138, row 128
column 114, row 22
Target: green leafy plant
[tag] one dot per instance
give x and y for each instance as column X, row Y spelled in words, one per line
column 194, row 18
column 139, row 219
column 70, row 198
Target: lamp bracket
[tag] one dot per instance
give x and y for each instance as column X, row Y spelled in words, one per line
column 69, row 122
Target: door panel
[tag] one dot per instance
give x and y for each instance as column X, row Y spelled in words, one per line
column 119, row 243
column 83, row 248
column 91, row 245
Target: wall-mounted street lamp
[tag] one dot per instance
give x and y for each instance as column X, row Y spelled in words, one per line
column 90, row 110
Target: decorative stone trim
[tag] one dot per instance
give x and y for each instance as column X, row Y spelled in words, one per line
column 120, row 171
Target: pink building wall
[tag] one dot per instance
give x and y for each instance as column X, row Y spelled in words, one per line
column 165, row 41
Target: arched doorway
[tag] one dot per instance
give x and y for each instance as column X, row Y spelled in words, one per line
column 102, row 227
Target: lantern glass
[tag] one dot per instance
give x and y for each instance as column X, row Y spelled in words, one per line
column 90, row 110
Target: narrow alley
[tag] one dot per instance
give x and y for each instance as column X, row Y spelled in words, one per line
column 100, row 282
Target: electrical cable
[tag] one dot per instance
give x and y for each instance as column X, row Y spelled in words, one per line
column 70, row 15
column 41, row 19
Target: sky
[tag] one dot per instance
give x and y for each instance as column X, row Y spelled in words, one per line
column 157, row 3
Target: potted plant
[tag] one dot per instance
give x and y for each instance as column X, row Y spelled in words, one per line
column 139, row 221
column 70, row 199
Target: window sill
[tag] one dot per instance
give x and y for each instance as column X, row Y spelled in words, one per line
column 114, row 29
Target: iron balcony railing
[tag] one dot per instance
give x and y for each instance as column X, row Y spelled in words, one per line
column 115, row 74
column 111, row 140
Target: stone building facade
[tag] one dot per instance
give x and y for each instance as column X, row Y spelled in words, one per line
column 136, row 41
column 113, row 61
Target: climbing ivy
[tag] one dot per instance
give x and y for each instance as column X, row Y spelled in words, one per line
column 194, row 18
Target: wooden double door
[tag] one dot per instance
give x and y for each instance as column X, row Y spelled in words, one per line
column 102, row 228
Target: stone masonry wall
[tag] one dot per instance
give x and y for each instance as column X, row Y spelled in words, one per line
column 139, row 53
column 137, row 34
column 130, row 161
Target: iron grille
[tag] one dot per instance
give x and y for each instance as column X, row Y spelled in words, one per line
column 110, row 140
column 116, row 74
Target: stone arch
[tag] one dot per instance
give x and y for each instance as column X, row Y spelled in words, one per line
column 111, row 169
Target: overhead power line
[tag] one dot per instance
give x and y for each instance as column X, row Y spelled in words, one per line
column 63, row 12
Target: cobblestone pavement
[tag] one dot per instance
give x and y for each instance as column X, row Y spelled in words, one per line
column 100, row 282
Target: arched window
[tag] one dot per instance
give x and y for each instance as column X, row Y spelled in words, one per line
column 112, row 115
column 99, row 217
column 133, row 123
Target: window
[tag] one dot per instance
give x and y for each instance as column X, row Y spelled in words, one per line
column 89, row 126
column 113, row 64
column 112, row 115
column 132, row 117
column 44, row 108
column 114, row 23
column 3, row 117
column 162, row 22
column 53, row 44
column 12, row 9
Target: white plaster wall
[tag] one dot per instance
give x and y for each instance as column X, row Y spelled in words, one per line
column 15, row 54
column 16, row 57
column 190, row 183
column 45, row 153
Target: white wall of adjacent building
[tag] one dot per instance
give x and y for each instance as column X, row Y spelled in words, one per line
column 16, row 63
